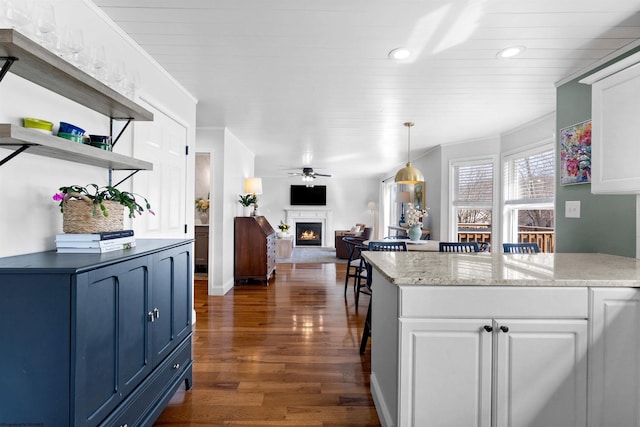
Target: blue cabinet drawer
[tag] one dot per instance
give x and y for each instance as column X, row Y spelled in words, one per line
column 138, row 408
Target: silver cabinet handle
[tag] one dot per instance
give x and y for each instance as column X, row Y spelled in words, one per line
column 176, row 366
column 156, row 312
column 151, row 317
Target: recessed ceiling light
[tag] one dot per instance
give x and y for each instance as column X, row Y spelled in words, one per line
column 510, row 52
column 400, row 53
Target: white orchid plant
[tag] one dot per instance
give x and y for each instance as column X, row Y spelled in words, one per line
column 413, row 215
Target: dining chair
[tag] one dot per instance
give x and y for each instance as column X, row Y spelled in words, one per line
column 520, row 248
column 459, row 247
column 484, row 246
column 363, row 283
column 388, row 246
column 355, row 267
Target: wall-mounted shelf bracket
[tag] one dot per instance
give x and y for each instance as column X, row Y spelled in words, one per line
column 113, row 142
column 8, row 62
column 123, row 179
column 15, row 153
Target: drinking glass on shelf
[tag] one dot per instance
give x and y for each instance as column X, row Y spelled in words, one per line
column 132, row 84
column 73, row 41
column 4, row 21
column 99, row 63
column 45, row 23
column 17, row 13
column 117, row 75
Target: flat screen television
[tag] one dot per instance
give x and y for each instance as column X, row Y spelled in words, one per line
column 301, row 195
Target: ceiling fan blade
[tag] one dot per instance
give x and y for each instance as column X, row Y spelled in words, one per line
column 308, row 172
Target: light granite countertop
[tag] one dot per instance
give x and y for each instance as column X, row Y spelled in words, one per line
column 497, row 269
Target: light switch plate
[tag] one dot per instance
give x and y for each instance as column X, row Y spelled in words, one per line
column 572, row 209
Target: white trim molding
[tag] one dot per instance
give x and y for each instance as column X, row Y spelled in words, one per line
column 311, row 214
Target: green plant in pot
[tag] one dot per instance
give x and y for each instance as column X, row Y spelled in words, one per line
column 247, row 200
column 91, row 208
column 98, row 195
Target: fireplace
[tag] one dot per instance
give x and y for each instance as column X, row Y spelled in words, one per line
column 308, row 234
column 311, row 214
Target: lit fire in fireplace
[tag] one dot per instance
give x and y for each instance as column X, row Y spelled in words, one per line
column 309, row 235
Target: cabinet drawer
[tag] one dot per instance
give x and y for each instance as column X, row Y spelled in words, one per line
column 139, row 404
column 493, row 302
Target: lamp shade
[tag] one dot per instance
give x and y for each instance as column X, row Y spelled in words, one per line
column 403, row 197
column 409, row 175
column 253, row 185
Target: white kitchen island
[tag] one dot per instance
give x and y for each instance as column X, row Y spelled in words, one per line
column 531, row 340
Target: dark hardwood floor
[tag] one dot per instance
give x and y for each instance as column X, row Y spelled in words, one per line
column 282, row 355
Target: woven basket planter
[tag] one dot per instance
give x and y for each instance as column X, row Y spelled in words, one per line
column 78, row 218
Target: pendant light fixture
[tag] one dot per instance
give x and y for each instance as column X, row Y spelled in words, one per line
column 409, row 174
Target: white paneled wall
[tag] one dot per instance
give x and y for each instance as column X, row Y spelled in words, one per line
column 29, row 218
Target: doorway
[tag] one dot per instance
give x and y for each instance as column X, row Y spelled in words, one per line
column 202, row 213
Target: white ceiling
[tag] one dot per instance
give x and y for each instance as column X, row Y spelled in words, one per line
column 308, row 83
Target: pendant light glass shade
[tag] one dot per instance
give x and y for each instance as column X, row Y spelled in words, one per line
column 409, row 174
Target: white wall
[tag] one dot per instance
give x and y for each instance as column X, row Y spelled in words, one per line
column 436, row 162
column 431, row 167
column 231, row 162
column 531, row 133
column 29, row 218
column 347, row 198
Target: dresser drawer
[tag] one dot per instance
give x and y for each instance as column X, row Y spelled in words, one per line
column 152, row 390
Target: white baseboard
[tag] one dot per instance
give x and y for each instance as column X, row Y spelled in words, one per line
column 383, row 411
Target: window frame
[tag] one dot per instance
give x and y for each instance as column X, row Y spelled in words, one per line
column 510, row 207
column 452, row 229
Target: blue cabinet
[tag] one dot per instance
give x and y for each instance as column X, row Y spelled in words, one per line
column 171, row 304
column 95, row 339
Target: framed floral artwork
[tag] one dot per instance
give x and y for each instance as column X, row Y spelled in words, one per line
column 575, row 154
column 418, row 195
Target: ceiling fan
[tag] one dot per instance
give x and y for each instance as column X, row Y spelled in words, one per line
column 308, row 174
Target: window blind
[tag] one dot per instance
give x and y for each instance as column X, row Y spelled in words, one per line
column 473, row 185
column 530, row 178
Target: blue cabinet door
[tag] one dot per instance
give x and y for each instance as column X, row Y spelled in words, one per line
column 111, row 345
column 35, row 349
column 171, row 297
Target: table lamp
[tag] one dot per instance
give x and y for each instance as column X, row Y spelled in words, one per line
column 402, row 197
column 253, row 186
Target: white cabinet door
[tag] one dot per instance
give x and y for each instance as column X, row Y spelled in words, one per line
column 445, row 373
column 614, row 145
column 540, row 373
column 614, row 358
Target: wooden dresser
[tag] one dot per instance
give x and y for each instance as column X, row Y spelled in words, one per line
column 255, row 249
column 201, row 248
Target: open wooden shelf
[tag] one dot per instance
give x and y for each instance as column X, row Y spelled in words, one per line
column 44, row 68
column 14, row 137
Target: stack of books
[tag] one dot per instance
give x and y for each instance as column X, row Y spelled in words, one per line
column 95, row 243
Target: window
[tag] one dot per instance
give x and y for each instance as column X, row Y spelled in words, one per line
column 472, row 201
column 529, row 193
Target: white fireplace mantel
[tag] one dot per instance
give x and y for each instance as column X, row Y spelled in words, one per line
column 319, row 214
